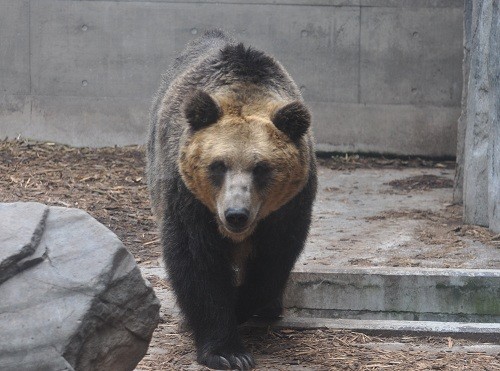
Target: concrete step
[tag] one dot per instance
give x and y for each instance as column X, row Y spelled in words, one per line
column 477, row 331
column 402, row 294
column 323, row 299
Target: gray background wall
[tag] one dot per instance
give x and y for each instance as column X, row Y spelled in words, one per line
column 379, row 75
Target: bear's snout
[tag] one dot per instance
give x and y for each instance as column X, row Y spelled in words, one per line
column 237, row 218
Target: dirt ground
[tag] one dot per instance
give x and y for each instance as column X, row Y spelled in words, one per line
column 109, row 184
column 376, row 212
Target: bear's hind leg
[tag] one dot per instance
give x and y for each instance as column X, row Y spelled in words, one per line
column 272, row 311
column 261, row 293
column 278, row 245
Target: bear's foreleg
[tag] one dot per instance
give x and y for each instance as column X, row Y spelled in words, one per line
column 202, row 280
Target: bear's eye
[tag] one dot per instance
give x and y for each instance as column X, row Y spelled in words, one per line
column 218, row 167
column 262, row 174
column 217, row 170
column 261, row 168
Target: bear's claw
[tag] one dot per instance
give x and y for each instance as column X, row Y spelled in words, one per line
column 238, row 361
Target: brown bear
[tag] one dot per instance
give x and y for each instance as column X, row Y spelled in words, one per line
column 232, row 178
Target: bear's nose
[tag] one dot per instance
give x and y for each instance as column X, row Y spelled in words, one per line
column 237, row 218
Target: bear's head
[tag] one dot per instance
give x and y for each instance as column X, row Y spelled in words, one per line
column 244, row 161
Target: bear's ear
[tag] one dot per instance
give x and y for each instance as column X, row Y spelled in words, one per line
column 293, row 119
column 201, row 110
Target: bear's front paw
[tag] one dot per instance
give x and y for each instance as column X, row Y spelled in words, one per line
column 222, row 360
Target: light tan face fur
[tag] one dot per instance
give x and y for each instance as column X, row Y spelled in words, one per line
column 241, row 142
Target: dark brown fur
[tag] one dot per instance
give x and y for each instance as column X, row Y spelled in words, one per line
column 225, row 110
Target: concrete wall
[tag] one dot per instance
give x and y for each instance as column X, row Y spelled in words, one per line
column 379, row 75
column 479, row 135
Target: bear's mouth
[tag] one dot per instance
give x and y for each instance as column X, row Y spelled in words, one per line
column 237, row 229
column 237, row 234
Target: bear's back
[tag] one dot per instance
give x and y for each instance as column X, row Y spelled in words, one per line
column 211, row 43
column 208, row 45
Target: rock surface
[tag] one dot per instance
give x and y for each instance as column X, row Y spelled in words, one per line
column 479, row 126
column 71, row 295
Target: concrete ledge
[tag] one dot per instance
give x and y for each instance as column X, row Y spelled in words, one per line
column 483, row 331
column 396, row 294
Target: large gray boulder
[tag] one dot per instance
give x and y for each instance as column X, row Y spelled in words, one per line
column 71, row 296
